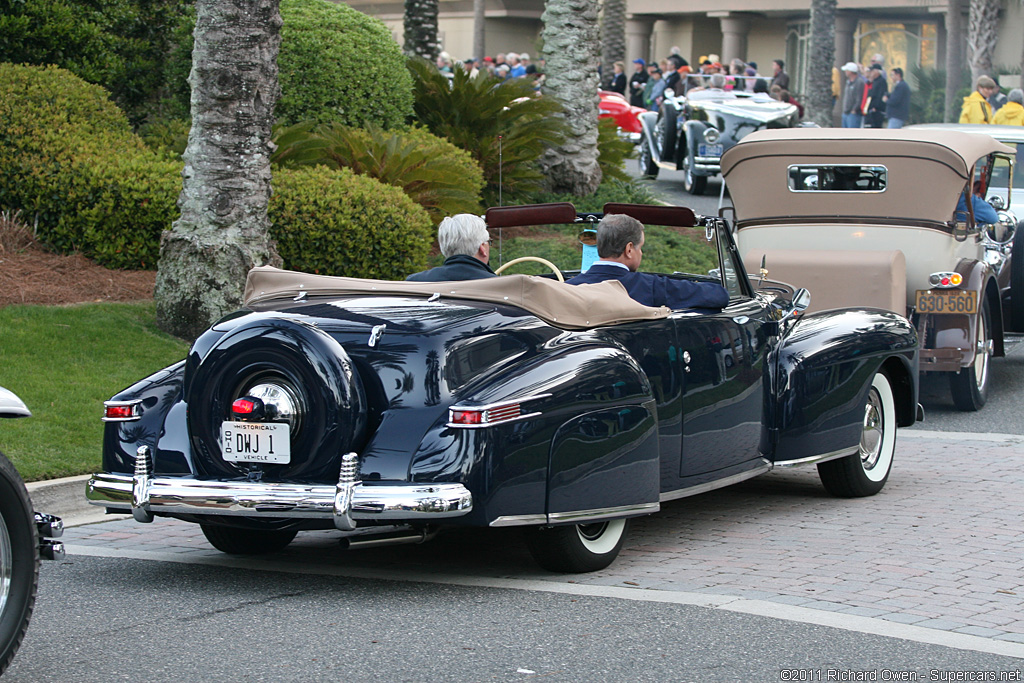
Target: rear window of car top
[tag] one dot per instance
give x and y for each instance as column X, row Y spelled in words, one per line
column 837, row 178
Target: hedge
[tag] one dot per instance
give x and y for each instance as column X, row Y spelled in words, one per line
column 335, row 222
column 339, row 65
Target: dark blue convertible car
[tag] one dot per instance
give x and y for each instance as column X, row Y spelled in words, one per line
column 390, row 410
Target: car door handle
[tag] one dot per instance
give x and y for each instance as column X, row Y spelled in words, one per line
column 741, row 320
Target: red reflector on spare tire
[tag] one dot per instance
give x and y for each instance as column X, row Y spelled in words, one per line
column 243, row 406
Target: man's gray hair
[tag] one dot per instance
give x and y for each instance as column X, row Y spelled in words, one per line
column 1015, row 95
column 462, row 233
column 615, row 231
column 717, row 80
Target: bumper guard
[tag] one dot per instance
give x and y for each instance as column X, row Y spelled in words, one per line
column 346, row 503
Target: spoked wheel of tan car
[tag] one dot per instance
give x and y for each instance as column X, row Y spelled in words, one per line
column 19, row 561
column 240, row 541
column 577, row 548
column 865, row 472
column 969, row 387
column 694, row 184
column 646, row 159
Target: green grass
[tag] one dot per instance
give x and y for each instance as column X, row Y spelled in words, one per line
column 64, row 361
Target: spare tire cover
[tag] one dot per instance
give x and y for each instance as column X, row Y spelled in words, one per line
column 330, row 397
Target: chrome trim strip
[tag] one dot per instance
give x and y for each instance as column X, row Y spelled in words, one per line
column 712, row 485
column 184, row 495
column 519, row 520
column 134, row 404
column 500, row 404
column 604, row 513
column 814, row 459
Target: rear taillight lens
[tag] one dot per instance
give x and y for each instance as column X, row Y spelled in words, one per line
column 122, row 411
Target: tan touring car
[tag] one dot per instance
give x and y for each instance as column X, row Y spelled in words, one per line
column 870, row 218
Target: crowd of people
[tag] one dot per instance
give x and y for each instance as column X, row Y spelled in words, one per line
column 868, row 95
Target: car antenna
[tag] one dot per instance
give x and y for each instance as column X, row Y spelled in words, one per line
column 500, row 169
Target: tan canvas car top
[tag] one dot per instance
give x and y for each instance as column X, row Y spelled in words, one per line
column 574, row 307
column 926, row 171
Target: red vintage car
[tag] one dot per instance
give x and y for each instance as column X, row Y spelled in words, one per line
column 615, row 106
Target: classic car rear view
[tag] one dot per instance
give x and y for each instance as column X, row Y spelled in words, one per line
column 869, row 218
column 391, row 410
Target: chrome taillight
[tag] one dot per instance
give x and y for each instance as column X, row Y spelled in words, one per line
column 490, row 414
column 122, row 411
column 945, row 280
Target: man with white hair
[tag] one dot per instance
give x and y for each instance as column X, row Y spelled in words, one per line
column 466, row 246
column 516, row 68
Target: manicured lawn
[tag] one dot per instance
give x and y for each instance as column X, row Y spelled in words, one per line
column 64, row 361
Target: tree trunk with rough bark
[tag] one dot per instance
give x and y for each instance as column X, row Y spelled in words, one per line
column 613, row 36
column 954, row 58
column 479, row 30
column 570, row 47
column 223, row 230
column 982, row 36
column 822, row 58
column 421, row 29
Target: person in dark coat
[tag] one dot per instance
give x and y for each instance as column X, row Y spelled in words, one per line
column 874, row 115
column 620, row 241
column 637, row 82
column 466, row 246
column 897, row 102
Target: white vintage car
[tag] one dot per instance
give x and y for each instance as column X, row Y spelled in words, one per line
column 865, row 217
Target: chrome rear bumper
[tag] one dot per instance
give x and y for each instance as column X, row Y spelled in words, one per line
column 346, row 503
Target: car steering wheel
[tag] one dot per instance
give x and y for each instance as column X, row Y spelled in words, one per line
column 538, row 259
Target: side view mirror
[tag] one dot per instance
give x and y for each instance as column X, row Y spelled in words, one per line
column 1001, row 233
column 801, row 300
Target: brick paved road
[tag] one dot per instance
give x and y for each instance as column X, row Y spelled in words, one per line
column 941, row 547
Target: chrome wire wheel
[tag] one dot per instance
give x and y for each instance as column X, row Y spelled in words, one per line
column 6, row 564
column 983, row 351
column 872, row 434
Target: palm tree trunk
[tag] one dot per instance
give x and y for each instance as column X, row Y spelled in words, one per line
column 223, row 230
column 982, row 36
column 954, row 58
column 479, row 24
column 570, row 46
column 821, row 61
column 421, row 29
column 613, row 36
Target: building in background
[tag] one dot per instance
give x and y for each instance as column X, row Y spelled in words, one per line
column 908, row 34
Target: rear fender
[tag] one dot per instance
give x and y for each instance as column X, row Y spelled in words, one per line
column 161, row 425
column 956, row 331
column 588, row 439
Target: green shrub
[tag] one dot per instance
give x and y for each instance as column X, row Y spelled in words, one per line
column 436, row 174
column 501, row 123
column 52, row 122
column 335, row 222
column 337, row 64
column 119, row 44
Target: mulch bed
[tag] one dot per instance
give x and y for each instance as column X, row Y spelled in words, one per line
column 33, row 276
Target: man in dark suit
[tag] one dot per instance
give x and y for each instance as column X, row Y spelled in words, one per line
column 620, row 241
column 466, row 246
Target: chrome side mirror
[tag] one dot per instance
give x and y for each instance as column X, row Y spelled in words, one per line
column 801, row 300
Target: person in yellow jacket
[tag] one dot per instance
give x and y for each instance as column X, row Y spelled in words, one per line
column 1011, row 113
column 976, row 108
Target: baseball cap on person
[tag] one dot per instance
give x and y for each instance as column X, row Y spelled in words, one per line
column 851, row 67
column 639, row 61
